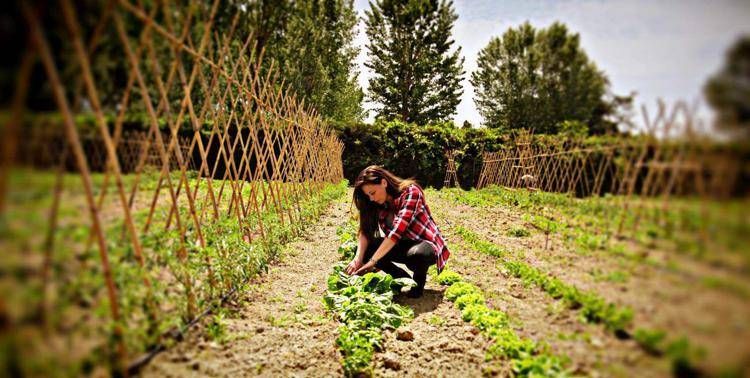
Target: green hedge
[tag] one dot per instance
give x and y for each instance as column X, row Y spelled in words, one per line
column 407, row 149
column 411, row 150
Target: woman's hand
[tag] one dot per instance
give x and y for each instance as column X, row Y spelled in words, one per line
column 353, row 266
column 365, row 268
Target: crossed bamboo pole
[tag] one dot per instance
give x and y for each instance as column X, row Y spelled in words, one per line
column 266, row 151
column 670, row 159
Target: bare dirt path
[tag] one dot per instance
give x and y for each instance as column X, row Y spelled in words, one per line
column 443, row 345
column 279, row 327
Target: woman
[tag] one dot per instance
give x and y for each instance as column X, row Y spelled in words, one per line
column 397, row 207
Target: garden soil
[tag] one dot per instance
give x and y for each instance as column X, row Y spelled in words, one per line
column 280, row 327
column 668, row 299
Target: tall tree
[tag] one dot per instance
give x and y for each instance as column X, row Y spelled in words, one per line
column 317, row 58
column 536, row 79
column 728, row 91
column 417, row 76
column 613, row 114
column 310, row 43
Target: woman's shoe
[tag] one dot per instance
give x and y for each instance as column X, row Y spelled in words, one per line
column 415, row 292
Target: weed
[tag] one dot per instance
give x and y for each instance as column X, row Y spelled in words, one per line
column 282, row 321
column 650, row 340
column 300, row 308
column 436, row 321
column 518, row 232
column 217, row 329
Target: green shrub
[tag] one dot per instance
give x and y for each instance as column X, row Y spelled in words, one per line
column 418, row 151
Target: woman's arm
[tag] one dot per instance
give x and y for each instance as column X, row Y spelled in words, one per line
column 383, row 250
column 411, row 201
column 361, row 247
column 356, row 263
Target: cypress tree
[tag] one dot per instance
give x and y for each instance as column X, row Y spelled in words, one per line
column 417, row 76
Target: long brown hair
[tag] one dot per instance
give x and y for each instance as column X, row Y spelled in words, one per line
column 368, row 210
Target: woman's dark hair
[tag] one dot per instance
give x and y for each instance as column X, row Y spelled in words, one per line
column 368, row 210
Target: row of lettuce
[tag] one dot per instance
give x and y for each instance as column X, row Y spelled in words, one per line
column 713, row 232
column 592, row 307
column 364, row 305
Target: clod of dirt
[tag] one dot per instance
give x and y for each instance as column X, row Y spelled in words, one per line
column 404, row 335
column 391, row 362
column 597, row 342
column 180, row 358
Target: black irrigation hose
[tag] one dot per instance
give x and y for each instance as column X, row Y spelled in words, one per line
column 135, row 366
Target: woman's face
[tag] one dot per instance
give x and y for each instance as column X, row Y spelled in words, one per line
column 376, row 192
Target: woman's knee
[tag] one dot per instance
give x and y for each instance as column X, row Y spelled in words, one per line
column 422, row 252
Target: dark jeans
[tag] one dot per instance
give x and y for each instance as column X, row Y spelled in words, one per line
column 417, row 256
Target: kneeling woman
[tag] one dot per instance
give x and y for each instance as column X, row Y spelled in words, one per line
column 398, row 208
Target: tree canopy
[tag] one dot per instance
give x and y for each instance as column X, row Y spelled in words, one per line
column 538, row 78
column 417, row 73
column 728, row 91
column 310, row 43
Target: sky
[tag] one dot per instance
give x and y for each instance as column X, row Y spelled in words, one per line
column 658, row 49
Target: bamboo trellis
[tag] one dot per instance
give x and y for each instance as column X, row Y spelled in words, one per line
column 672, row 158
column 251, row 149
column 654, row 164
column 451, row 179
column 44, row 146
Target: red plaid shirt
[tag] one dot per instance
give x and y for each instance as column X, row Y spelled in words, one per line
column 413, row 220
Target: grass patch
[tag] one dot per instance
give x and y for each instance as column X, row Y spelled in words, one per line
column 726, row 285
